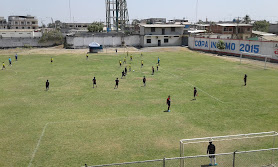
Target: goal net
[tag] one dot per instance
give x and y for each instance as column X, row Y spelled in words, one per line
column 228, row 144
column 258, row 60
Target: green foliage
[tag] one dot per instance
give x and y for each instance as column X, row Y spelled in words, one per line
column 95, row 27
column 221, row 45
column 262, row 25
column 55, row 36
column 246, row 19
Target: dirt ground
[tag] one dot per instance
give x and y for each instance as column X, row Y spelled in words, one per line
column 61, row 50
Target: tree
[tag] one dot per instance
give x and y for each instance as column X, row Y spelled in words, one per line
column 262, row 25
column 246, row 19
column 54, row 36
column 95, row 27
column 221, row 45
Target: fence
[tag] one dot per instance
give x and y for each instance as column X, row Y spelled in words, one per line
column 252, row 158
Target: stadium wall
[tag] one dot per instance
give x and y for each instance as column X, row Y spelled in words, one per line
column 255, row 49
column 23, row 42
column 83, row 42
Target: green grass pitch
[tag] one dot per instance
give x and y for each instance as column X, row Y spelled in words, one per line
column 76, row 124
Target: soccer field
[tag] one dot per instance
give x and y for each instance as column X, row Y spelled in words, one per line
column 74, row 123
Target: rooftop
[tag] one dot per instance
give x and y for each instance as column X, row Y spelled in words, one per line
column 262, row 33
column 234, row 25
column 161, row 25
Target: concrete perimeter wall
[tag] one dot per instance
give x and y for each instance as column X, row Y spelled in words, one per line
column 83, row 42
column 256, row 49
column 22, row 42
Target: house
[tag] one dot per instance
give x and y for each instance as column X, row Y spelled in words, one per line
column 236, row 31
column 3, row 23
column 22, row 22
column 273, row 28
column 161, row 34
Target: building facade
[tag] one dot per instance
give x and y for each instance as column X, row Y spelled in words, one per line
column 237, row 31
column 161, row 35
column 14, row 33
column 3, row 23
column 273, row 28
column 22, row 22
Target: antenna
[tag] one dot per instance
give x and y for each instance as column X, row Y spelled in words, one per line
column 70, row 10
column 197, row 11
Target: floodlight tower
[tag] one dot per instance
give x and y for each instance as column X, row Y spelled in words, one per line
column 116, row 14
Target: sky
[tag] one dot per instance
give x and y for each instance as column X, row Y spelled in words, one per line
column 94, row 10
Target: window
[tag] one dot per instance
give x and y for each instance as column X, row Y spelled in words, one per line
column 28, row 22
column 34, row 27
column 20, row 33
column 230, row 29
column 173, row 29
column 149, row 41
column 16, row 22
column 16, row 27
column 79, row 26
column 22, row 23
column 22, row 27
column 33, row 22
column 176, row 36
column 70, row 26
column 29, row 27
column 166, row 40
column 153, row 29
column 248, row 29
column 226, row 29
column 85, row 26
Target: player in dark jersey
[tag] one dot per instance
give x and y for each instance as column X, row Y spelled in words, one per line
column 123, row 74
column 152, row 70
column 47, row 85
column 168, row 103
column 120, row 62
column 195, row 93
column 156, row 67
column 87, row 56
column 125, row 70
column 94, row 82
column 51, row 60
column 144, row 81
column 117, row 83
column 245, row 79
column 211, row 150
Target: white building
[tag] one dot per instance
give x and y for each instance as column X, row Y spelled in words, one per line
column 161, row 34
column 20, row 33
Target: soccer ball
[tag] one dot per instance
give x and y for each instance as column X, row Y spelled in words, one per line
column 133, row 70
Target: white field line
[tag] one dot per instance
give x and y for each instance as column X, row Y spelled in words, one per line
column 45, row 126
column 199, row 89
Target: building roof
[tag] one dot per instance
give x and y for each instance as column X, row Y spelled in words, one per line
column 262, row 33
column 196, row 31
column 160, row 25
column 269, row 38
column 234, row 25
column 202, row 25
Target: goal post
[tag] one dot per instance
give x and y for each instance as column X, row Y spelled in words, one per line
column 229, row 143
column 265, row 58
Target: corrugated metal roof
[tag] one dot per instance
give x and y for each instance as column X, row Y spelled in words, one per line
column 234, row 25
column 262, row 33
column 160, row 25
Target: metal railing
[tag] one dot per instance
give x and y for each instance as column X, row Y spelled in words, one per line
column 252, row 158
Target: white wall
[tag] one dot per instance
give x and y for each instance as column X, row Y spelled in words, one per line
column 265, row 48
column 20, row 34
column 83, row 42
column 172, row 41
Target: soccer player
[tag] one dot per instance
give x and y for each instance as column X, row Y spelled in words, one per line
column 129, row 68
column 87, row 56
column 94, row 82
column 168, row 103
column 152, row 70
column 124, row 60
column 116, row 51
column 144, row 81
column 3, row 67
column 123, row 74
column 47, row 85
column 15, row 57
column 211, row 150
column 142, row 63
column 10, row 61
column 130, row 57
column 141, row 54
column 195, row 93
column 156, row 67
column 125, row 70
column 120, row 62
column 245, row 79
column 158, row 61
column 117, row 83
column 51, row 60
